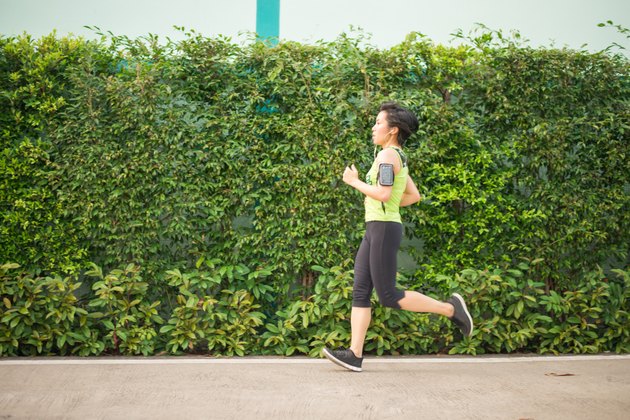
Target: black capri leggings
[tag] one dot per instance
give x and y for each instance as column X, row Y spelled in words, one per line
column 375, row 265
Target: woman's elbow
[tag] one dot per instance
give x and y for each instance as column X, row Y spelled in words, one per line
column 412, row 198
column 384, row 196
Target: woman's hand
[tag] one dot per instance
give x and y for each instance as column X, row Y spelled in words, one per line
column 350, row 175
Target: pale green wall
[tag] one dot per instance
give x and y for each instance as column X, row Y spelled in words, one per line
column 563, row 22
column 567, row 22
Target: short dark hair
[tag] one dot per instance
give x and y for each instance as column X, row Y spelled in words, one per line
column 400, row 117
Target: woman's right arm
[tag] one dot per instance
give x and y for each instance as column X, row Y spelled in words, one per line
column 411, row 194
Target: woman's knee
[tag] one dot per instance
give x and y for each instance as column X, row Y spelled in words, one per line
column 390, row 299
column 361, row 302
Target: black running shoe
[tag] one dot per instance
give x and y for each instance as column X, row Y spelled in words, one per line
column 344, row 358
column 462, row 317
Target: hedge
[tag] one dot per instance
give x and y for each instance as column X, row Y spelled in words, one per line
column 186, row 196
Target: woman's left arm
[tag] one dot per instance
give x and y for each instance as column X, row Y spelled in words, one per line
column 411, row 194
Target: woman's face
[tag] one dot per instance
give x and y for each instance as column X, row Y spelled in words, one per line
column 381, row 132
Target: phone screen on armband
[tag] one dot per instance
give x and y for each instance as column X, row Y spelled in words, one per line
column 386, row 174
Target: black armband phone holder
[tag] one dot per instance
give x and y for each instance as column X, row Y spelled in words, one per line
column 386, row 174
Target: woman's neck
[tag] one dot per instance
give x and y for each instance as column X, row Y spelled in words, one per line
column 392, row 143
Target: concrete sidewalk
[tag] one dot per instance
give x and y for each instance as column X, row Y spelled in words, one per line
column 435, row 387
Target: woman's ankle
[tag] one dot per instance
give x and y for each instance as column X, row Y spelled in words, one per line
column 356, row 353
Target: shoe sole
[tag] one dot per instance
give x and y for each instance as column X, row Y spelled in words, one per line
column 461, row 300
column 336, row 361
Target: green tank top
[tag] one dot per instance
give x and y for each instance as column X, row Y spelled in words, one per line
column 390, row 211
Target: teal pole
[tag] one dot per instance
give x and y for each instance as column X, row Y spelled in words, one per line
column 268, row 21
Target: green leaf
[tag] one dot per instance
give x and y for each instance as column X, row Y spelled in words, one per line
column 61, row 340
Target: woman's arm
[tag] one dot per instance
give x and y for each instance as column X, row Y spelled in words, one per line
column 411, row 194
column 378, row 192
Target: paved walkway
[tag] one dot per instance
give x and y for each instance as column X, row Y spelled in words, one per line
column 435, row 387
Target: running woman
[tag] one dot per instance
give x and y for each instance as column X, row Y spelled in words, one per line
column 388, row 187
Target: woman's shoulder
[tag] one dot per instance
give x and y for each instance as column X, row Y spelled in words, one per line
column 388, row 155
column 394, row 156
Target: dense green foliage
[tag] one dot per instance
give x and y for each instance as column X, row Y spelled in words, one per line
column 186, row 197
